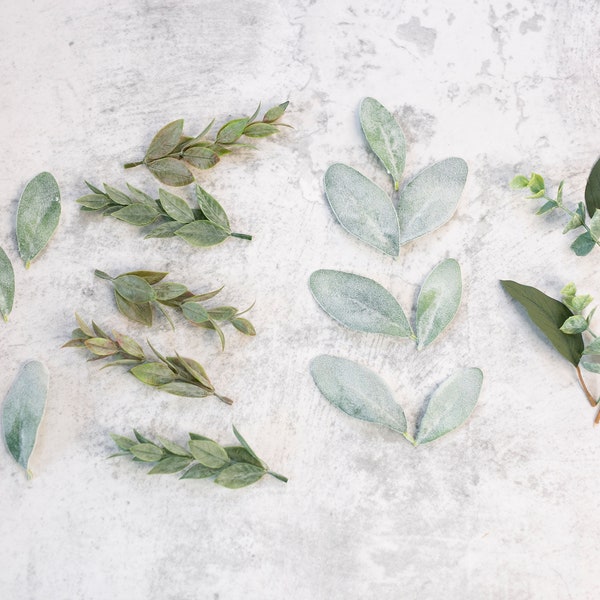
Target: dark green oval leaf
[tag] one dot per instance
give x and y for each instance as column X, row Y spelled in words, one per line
column 195, row 312
column 583, row 244
column 592, row 189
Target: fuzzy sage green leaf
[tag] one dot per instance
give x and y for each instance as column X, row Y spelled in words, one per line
column 233, row 467
column 23, row 410
column 7, row 285
column 438, row 301
column 362, row 208
column 385, row 137
column 359, row 303
column 37, row 215
column 592, row 189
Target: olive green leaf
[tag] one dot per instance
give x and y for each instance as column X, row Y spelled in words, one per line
column 175, row 207
column 171, row 171
column 438, row 301
column 450, row 406
column 209, row 453
column 164, row 230
column 362, row 208
column 165, row 141
column 146, row 452
column 169, row 291
column 199, row 471
column 137, row 214
column 240, row 454
column 275, row 113
column 359, row 303
column 94, row 201
column 200, row 157
column 141, row 313
column 202, row 233
column 7, row 285
column 231, row 131
column 174, row 448
column 101, row 347
column 195, row 312
column 150, row 277
column 245, row 444
column 243, row 326
column 211, row 209
column 23, row 410
column 239, row 475
column 129, row 345
column 37, row 215
column 170, row 464
column 385, row 137
column 430, row 199
column 141, row 197
column 259, row 130
column 153, row 373
column 122, row 442
column 357, row 391
column 182, row 388
column 592, row 189
column 116, row 196
column 548, row 315
column 134, row 289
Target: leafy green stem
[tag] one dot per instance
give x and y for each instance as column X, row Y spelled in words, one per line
column 573, row 214
column 131, row 165
column 278, row 476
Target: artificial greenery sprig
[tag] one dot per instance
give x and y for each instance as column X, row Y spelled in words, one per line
column 175, row 375
column 232, row 466
column 585, row 242
column 137, row 292
column 171, row 154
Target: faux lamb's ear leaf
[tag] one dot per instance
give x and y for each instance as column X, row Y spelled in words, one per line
column 362, row 208
column 438, row 301
column 37, row 215
column 23, row 411
column 384, row 136
column 548, row 315
column 592, row 189
column 357, row 391
column 7, row 285
column 430, row 199
column 450, row 405
column 359, row 303
column 165, row 140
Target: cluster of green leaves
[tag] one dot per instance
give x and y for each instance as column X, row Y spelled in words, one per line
column 563, row 324
column 363, row 395
column 171, row 156
column 23, row 410
column 366, row 211
column 175, row 375
column 232, row 466
column 362, row 304
column 584, row 242
column 137, row 292
column 171, row 215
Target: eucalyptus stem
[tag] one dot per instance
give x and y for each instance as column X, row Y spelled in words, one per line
column 572, row 214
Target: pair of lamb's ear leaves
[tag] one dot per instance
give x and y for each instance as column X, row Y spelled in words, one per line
column 548, row 315
column 426, row 203
column 363, row 395
column 361, row 304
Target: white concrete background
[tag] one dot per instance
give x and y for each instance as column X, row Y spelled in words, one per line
column 504, row 508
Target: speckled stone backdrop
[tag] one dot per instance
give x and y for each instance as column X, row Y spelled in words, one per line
column 504, row 508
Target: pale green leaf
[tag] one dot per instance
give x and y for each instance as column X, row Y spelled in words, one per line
column 153, row 373
column 209, row 453
column 7, row 285
column 146, row 452
column 175, row 207
column 239, row 475
column 171, row 171
column 137, row 214
column 211, row 209
column 134, row 289
column 165, row 141
column 202, row 233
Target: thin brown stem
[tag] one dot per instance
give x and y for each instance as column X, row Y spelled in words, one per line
column 589, row 396
column 597, row 419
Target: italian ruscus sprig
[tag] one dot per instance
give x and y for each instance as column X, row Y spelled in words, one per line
column 231, row 466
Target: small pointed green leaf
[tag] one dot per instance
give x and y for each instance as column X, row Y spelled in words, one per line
column 37, row 215
column 574, row 324
column 451, row 405
column 7, row 285
column 384, row 136
column 101, row 347
column 260, row 130
column 519, row 182
column 209, row 453
column 199, row 472
column 547, row 207
column 200, row 157
column 438, row 301
column 583, row 244
column 548, row 315
column 174, row 448
column 211, row 209
column 153, row 373
column 134, row 289
column 195, row 312
column 182, row 388
column 116, row 196
column 430, row 199
column 362, row 208
column 244, row 443
column 593, row 347
column 129, row 345
column 175, row 207
column 359, row 303
column 239, row 475
column 275, row 113
column 137, row 214
column 165, row 141
column 141, row 439
column 122, row 442
column 141, row 197
column 171, row 171
column 222, row 313
column 150, row 277
column 146, row 452
column 592, row 189
column 141, row 312
column 170, row 464
column 231, row 131
column 94, row 201
column 357, row 391
column 164, row 230
column 23, row 410
column 243, row 326
column 202, row 233
column 169, row 291
column 240, row 454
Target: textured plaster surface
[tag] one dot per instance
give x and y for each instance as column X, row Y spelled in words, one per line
column 504, row 508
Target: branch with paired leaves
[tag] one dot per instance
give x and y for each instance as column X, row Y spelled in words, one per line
column 564, row 325
column 207, row 225
column 137, row 292
column 585, row 242
column 171, row 155
column 175, row 375
column 232, row 466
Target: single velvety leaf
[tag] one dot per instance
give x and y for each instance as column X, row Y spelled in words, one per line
column 592, row 189
column 450, row 405
column 195, row 312
column 362, row 208
column 201, row 158
column 116, row 196
column 122, row 442
column 101, row 347
column 181, row 388
column 37, row 215
column 275, row 113
column 548, row 315
column 244, row 326
column 359, row 303
column 259, row 130
column 169, row 291
column 7, row 285
column 430, row 199
column 231, row 131
column 94, row 201
column 209, row 453
column 592, row 367
column 137, row 214
column 198, row 472
column 175, row 207
column 239, row 475
column 134, row 289
column 165, row 141
column 174, row 448
column 23, row 411
column 170, row 464
column 171, row 171
column 164, row 230
column 574, row 324
column 129, row 345
column 438, row 301
column 211, row 209
column 141, row 313
column 150, row 277
column 357, row 391
column 385, row 137
column 141, row 197
column 222, row 313
column 583, row 244
column 153, row 373
column 240, row 454
column 146, row 452
column 202, row 233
